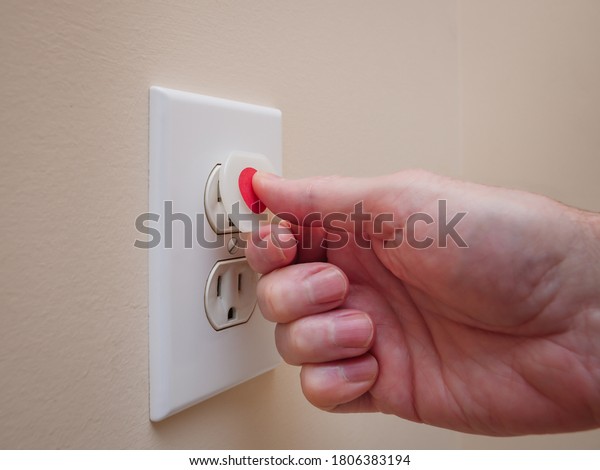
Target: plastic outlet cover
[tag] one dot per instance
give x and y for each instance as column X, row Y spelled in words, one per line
column 189, row 360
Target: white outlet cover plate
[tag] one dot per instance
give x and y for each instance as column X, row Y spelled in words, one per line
column 189, row 360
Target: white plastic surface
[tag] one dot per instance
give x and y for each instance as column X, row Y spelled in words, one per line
column 189, row 360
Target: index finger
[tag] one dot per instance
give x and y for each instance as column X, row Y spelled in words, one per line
column 272, row 247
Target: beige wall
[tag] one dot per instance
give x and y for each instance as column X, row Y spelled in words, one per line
column 530, row 75
column 364, row 87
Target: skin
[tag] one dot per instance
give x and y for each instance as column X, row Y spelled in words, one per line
column 499, row 338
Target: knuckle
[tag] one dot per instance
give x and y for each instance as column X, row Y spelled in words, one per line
column 308, row 389
column 264, row 293
column 291, row 343
column 313, row 394
column 299, row 343
column 272, row 298
column 282, row 338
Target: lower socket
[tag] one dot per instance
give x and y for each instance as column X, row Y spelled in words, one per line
column 230, row 293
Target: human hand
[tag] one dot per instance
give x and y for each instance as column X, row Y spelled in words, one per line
column 499, row 338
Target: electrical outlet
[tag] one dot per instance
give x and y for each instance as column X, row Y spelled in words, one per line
column 243, row 208
column 226, row 209
column 230, row 294
column 204, row 337
column 214, row 209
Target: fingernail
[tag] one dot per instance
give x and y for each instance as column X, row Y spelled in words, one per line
column 360, row 371
column 284, row 224
column 326, row 286
column 283, row 240
column 352, row 330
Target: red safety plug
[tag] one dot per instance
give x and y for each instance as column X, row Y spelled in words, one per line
column 247, row 191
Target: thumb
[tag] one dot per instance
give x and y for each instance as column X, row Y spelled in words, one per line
column 308, row 200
